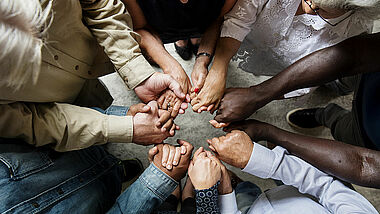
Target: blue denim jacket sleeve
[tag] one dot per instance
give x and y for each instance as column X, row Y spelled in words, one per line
column 146, row 193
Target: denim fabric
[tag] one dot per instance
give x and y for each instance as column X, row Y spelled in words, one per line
column 114, row 110
column 40, row 180
column 146, row 193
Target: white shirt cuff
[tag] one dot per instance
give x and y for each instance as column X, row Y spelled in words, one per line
column 227, row 203
column 261, row 161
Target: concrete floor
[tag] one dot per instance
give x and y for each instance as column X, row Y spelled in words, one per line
column 196, row 129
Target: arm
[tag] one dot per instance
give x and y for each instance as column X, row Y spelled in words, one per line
column 349, row 163
column 112, row 27
column 353, row 56
column 331, row 193
column 67, row 127
column 153, row 48
column 236, row 26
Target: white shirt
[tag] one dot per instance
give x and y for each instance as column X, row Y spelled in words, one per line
column 332, row 195
column 275, row 37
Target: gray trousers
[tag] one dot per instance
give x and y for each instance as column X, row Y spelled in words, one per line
column 344, row 125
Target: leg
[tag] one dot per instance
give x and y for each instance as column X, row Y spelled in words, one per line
column 42, row 180
column 340, row 122
column 246, row 194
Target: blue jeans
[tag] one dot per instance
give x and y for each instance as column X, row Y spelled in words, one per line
column 148, row 192
column 40, row 180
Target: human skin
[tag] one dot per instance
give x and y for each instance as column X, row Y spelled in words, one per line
column 235, row 148
column 353, row 56
column 349, row 163
column 203, row 171
column 214, row 86
column 177, row 172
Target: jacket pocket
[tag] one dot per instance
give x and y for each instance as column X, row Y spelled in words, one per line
column 24, row 160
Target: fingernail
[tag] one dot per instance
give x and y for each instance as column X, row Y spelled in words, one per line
column 174, row 162
column 183, row 150
column 164, row 129
column 169, row 166
column 164, row 164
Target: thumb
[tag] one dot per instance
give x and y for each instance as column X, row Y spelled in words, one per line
column 174, row 86
column 152, row 152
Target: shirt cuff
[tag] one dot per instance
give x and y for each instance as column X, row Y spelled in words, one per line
column 136, row 71
column 227, row 203
column 161, row 184
column 120, row 129
column 261, row 161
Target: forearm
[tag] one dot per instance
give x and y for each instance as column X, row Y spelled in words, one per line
column 350, row 163
column 353, row 56
column 225, row 50
column 66, row 127
column 208, row 42
column 154, row 50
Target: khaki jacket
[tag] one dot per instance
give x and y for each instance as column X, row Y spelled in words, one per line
column 86, row 39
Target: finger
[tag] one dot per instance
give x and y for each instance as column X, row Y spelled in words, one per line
column 176, row 108
column 203, row 108
column 210, row 107
column 221, row 118
column 177, row 156
column 164, row 117
column 233, row 126
column 218, row 125
column 166, row 102
column 172, row 130
column 151, row 153
column 153, row 107
column 212, row 148
column 189, row 146
column 175, row 87
column 183, row 150
column 161, row 100
column 177, row 127
column 167, row 126
column 215, row 107
column 165, row 155
column 169, row 164
column 196, row 153
column 196, row 106
column 184, row 105
column 187, row 98
column 181, row 111
column 194, row 101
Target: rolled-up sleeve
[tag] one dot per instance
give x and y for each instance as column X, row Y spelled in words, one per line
column 238, row 22
column 111, row 24
column 66, row 127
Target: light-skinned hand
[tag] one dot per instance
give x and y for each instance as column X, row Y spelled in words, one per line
column 169, row 101
column 203, row 171
column 235, row 148
column 146, row 129
column 177, row 172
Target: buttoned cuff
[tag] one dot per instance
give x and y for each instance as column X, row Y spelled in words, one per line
column 120, row 129
column 136, row 71
column 227, row 203
column 161, row 184
column 261, row 161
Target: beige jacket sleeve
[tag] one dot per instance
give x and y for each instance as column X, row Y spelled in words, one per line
column 111, row 24
column 66, row 127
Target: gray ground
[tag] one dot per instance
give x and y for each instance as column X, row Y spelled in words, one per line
column 196, row 129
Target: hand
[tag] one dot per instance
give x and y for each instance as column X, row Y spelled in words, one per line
column 138, row 108
column 218, row 125
column 179, row 171
column 169, row 101
column 238, row 104
column 171, row 155
column 203, row 171
column 198, row 76
column 256, row 130
column 235, row 148
column 152, row 87
column 180, row 76
column 146, row 129
column 210, row 95
column 225, row 186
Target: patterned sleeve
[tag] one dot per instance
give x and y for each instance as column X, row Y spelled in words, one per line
column 237, row 23
column 207, row 200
